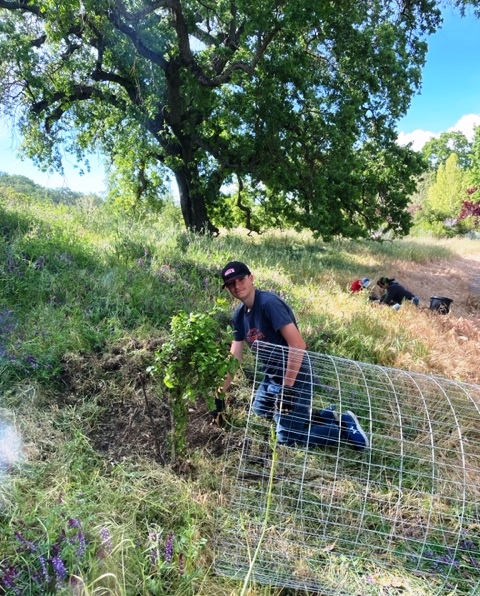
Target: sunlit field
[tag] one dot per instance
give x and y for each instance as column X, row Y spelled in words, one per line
column 89, row 501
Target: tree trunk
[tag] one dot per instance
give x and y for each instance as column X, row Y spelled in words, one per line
column 193, row 205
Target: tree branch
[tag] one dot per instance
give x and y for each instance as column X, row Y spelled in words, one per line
column 22, row 5
column 114, row 17
column 248, row 212
column 79, row 93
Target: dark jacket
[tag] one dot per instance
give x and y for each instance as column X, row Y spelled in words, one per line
column 396, row 294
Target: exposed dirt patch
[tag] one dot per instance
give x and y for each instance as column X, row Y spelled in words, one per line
column 130, row 417
column 454, row 338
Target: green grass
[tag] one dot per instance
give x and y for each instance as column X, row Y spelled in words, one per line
column 80, row 283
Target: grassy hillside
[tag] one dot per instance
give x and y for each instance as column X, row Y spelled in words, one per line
column 91, row 502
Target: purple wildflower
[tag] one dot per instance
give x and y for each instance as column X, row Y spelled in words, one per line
column 106, row 539
column 466, row 545
column 82, row 545
column 29, row 545
column 169, row 548
column 77, row 586
column 8, row 577
column 31, row 361
column 78, row 537
column 59, row 568
column 43, row 563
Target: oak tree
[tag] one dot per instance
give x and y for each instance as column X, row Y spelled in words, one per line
column 296, row 99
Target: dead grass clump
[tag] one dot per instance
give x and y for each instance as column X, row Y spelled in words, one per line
column 452, row 343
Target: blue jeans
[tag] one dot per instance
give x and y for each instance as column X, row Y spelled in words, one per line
column 294, row 426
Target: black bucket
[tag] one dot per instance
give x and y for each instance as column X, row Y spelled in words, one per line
column 440, row 304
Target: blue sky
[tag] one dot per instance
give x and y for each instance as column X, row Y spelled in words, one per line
column 93, row 182
column 450, row 95
column 449, row 100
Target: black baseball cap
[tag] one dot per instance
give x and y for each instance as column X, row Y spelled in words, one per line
column 234, row 270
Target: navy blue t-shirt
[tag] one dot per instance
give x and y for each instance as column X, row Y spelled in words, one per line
column 263, row 323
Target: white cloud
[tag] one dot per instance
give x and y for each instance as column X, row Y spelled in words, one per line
column 419, row 137
column 466, row 124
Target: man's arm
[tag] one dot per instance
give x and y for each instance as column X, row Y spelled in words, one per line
column 237, row 350
column 295, row 340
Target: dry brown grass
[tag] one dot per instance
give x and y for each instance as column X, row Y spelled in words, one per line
column 453, row 339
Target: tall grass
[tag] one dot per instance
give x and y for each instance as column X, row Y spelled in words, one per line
column 86, row 280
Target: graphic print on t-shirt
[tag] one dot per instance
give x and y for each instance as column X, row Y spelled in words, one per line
column 254, row 334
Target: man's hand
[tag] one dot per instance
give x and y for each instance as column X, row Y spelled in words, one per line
column 217, row 416
column 286, row 399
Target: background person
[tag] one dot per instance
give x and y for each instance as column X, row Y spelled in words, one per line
column 395, row 293
column 285, row 393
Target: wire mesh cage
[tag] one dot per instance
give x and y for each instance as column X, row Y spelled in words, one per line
column 347, row 518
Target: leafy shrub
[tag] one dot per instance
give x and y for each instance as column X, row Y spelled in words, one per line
column 193, row 362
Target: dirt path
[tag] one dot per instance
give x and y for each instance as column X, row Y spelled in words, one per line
column 453, row 340
column 457, row 278
column 475, row 274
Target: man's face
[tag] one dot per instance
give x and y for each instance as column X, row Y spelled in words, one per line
column 240, row 287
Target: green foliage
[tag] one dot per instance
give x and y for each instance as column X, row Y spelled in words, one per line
column 418, row 199
column 467, row 225
column 428, row 224
column 439, row 212
column 26, row 187
column 445, row 197
column 194, row 358
column 436, row 207
column 192, row 363
column 438, row 149
column 92, row 270
column 304, row 115
column 49, row 556
column 474, row 172
column 89, row 532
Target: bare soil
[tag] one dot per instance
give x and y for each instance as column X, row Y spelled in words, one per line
column 134, row 419
column 453, row 339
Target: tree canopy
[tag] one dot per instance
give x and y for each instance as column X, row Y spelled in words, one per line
column 446, row 195
column 439, row 149
column 297, row 100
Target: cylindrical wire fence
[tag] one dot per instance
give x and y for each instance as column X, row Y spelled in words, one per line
column 403, row 513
